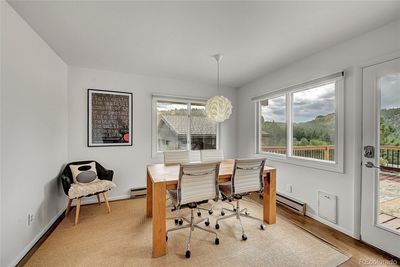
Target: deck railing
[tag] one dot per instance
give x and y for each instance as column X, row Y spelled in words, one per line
column 389, row 154
column 315, row 152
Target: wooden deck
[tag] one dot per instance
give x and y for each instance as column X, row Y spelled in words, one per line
column 390, row 201
column 389, row 221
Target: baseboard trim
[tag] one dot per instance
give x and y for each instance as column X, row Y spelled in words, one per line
column 93, row 200
column 30, row 249
column 334, row 226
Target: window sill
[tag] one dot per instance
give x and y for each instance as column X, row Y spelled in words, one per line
column 308, row 163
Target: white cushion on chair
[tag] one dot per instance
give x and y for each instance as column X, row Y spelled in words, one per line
column 80, row 190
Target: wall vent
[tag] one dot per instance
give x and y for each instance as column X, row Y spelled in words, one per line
column 327, row 206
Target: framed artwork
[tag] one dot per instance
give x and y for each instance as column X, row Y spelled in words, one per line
column 110, row 118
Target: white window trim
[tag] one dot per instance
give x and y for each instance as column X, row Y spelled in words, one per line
column 338, row 164
column 179, row 99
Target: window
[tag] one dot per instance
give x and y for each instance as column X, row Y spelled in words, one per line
column 172, row 126
column 203, row 131
column 314, row 123
column 273, row 125
column 303, row 124
column 181, row 124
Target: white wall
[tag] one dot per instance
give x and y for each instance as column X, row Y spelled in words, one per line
column 1, row 179
column 348, row 56
column 129, row 163
column 33, row 135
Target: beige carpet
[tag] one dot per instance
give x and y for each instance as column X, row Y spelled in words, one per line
column 123, row 238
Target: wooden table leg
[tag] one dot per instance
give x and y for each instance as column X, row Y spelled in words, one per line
column 149, row 196
column 270, row 197
column 159, row 219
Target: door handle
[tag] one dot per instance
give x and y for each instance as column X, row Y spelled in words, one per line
column 370, row 164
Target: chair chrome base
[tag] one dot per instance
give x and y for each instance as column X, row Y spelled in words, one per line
column 192, row 224
column 238, row 213
column 210, row 210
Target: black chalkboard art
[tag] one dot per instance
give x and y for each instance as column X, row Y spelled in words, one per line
column 110, row 118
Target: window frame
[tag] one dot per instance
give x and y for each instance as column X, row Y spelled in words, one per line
column 335, row 166
column 182, row 100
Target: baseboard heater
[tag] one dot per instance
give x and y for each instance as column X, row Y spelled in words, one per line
column 138, row 192
column 291, row 203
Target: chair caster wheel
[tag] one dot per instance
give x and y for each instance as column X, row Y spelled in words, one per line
column 187, row 254
column 244, row 237
column 180, row 222
column 216, row 241
column 210, row 212
column 176, row 221
column 222, row 213
column 246, row 213
column 262, row 227
column 217, row 226
column 207, row 223
column 166, row 238
column 199, row 214
column 234, row 209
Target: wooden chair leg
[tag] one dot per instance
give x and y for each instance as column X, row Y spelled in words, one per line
column 98, row 199
column 78, row 208
column 68, row 207
column 106, row 201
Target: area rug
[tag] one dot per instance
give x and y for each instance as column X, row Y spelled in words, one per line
column 123, row 238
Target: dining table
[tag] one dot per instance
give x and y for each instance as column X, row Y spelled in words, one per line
column 162, row 177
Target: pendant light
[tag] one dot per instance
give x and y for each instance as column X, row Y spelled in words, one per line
column 218, row 108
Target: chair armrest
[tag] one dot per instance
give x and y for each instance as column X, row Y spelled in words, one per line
column 106, row 175
column 66, row 183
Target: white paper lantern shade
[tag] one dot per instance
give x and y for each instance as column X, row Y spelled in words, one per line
column 218, row 108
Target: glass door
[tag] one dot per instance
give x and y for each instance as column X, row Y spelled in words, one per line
column 380, row 213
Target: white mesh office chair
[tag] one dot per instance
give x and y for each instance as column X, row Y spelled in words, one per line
column 176, row 156
column 246, row 178
column 179, row 157
column 212, row 155
column 198, row 183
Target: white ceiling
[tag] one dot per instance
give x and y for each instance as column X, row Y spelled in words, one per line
column 176, row 39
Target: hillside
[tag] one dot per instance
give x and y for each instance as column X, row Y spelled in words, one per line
column 319, row 131
column 390, row 125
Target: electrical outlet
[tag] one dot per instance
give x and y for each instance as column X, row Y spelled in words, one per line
column 289, row 188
